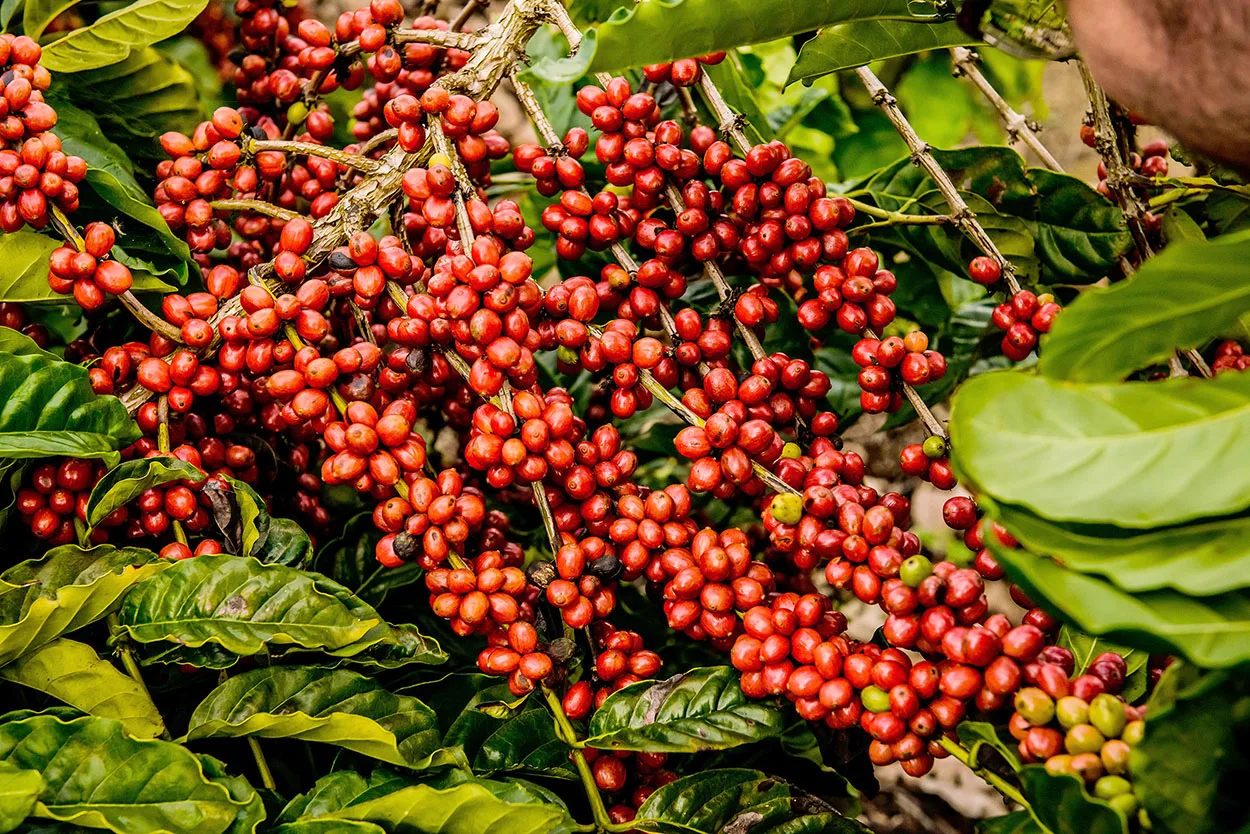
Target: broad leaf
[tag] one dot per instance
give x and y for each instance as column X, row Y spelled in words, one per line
column 873, row 32
column 409, row 646
column 72, row 672
column 37, row 14
column 548, row 71
column 1211, row 631
column 349, row 559
column 738, row 800
column 129, row 787
column 112, row 38
column 523, row 740
column 332, row 706
column 25, row 255
column 1062, row 805
column 47, row 408
column 1108, row 333
column 1202, row 558
column 286, row 544
column 19, row 790
column 662, row 30
column 128, row 480
column 238, row 605
column 65, row 590
column 1134, row 454
column 1190, row 770
column 1017, row 822
column 703, row 709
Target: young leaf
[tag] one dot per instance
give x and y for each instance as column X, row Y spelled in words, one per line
column 703, row 709
column 112, row 38
column 19, row 790
column 1202, row 558
column 738, row 800
column 72, row 672
column 1133, row 454
column 1190, row 769
column 237, row 604
column 65, row 590
column 1211, row 631
column 1108, row 333
column 876, row 32
column 332, row 706
column 127, row 481
column 47, row 408
column 130, row 787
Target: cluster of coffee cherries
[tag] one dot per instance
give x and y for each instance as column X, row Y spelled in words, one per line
column 928, row 461
column 57, row 494
column 1230, row 356
column 1081, row 725
column 890, row 363
column 684, row 72
column 86, row 274
column 1022, row 319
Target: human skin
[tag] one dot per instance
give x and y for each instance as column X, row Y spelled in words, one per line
column 1181, row 64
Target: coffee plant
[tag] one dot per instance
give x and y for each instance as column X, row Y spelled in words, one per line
column 508, row 418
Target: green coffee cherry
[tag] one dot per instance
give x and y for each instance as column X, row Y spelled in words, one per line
column 1035, row 706
column 1115, row 756
column 1126, row 804
column 567, row 355
column 875, row 699
column 915, row 570
column 1106, row 712
column 1071, row 711
column 791, row 450
column 1143, row 819
column 297, row 112
column 1083, row 738
column 934, row 446
column 1133, row 732
column 787, row 508
column 1109, row 786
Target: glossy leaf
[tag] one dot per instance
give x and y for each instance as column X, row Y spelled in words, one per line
column 1017, row 822
column 703, row 709
column 332, row 706
column 73, row 673
column 1201, row 558
column 1211, row 631
column 548, row 71
column 128, row 480
column 37, row 14
column 737, row 800
column 1108, row 333
column 653, row 32
column 19, row 790
column 1062, row 805
column 349, row 559
column 286, row 544
column 237, row 604
column 25, row 256
column 1190, row 769
column 47, row 408
column 409, row 646
column 730, row 78
column 65, row 590
column 469, row 808
column 111, row 38
column 874, row 32
column 1133, row 454
column 523, row 740
column 97, row 776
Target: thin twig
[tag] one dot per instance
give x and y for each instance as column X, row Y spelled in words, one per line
column 463, row 17
column 1019, row 128
column 963, row 216
column 290, row 146
column 257, row 206
column 127, row 654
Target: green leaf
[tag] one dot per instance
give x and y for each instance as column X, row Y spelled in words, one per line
column 253, row 516
column 978, row 734
column 1202, row 558
column 1211, row 631
column 875, row 32
column 549, row 71
column 1062, row 806
column 128, row 480
column 729, row 76
column 1179, row 227
column 733, row 800
column 73, row 673
column 97, row 776
column 469, row 808
column 237, row 604
column 1106, row 334
column 286, row 544
column 19, row 344
column 37, row 14
column 25, row 255
column 1134, row 454
column 703, row 709
column 332, row 706
column 65, row 590
column 654, row 32
column 7, row 9
column 1191, row 767
column 410, row 646
column 1085, row 648
column 349, row 559
column 1017, row 822
column 524, row 740
column 47, row 408
column 112, row 38
column 19, row 790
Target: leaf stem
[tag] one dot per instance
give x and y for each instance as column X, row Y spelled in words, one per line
column 266, row 775
column 127, row 655
column 566, row 733
column 1000, row 784
column 162, row 446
